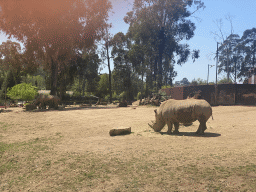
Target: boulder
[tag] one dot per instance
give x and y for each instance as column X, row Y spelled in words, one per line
column 30, row 107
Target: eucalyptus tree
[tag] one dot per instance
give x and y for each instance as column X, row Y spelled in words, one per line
column 229, row 56
column 237, row 55
column 136, row 55
column 82, row 68
column 53, row 30
column 248, row 47
column 11, row 65
column 122, row 66
column 106, row 46
column 161, row 25
column 11, row 59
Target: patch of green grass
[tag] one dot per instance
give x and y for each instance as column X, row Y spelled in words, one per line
column 4, row 126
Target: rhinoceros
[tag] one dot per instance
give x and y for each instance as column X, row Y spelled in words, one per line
column 51, row 100
column 182, row 111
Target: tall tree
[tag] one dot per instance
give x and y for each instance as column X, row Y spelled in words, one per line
column 229, row 56
column 106, row 46
column 161, row 25
column 248, row 47
column 11, row 59
column 11, row 65
column 122, row 65
column 53, row 30
column 137, row 58
column 237, row 55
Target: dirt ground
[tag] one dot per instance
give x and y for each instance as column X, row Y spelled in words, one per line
column 221, row 160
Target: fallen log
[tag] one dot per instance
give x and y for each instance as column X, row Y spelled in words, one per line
column 123, row 131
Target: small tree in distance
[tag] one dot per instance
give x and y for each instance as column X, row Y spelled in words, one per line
column 225, row 81
column 23, row 91
column 198, row 81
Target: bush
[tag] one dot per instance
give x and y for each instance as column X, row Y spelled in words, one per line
column 138, row 95
column 122, row 96
column 115, row 96
column 23, row 91
column 166, row 86
column 106, row 98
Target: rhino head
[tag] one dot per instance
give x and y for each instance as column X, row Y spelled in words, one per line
column 158, row 124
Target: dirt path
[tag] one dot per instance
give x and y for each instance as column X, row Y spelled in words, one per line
column 229, row 140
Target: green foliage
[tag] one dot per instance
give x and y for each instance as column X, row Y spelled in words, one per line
column 76, row 87
column 156, row 30
column 67, row 30
column 123, row 95
column 11, row 59
column 236, row 54
column 37, row 81
column 198, row 81
column 107, row 97
column 166, row 86
column 115, row 96
column 23, row 91
column 162, row 93
column 103, row 86
column 8, row 81
column 138, row 95
column 225, row 81
column 122, row 73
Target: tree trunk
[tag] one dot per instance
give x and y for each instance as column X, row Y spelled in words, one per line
column 160, row 62
column 5, row 98
column 109, row 77
column 54, row 75
column 160, row 72
column 142, row 76
column 62, row 88
column 155, row 70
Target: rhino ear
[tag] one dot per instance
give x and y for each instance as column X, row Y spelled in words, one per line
column 155, row 111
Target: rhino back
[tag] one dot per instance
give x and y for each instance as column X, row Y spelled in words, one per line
column 186, row 111
column 164, row 106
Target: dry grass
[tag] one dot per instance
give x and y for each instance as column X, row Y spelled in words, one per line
column 71, row 150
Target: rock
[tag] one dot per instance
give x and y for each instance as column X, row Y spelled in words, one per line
column 85, row 105
column 123, row 104
column 123, row 131
column 30, row 107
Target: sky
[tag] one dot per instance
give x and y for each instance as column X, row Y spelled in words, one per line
column 243, row 16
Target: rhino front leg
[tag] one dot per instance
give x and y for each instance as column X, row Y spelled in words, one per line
column 169, row 128
column 176, row 125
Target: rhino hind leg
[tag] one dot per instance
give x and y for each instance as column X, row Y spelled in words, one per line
column 176, row 125
column 202, row 127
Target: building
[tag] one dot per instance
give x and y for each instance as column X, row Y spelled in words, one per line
column 252, row 76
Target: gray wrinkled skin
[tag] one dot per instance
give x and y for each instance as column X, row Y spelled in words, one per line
column 172, row 112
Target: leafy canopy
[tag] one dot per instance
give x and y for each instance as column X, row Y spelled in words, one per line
column 23, row 91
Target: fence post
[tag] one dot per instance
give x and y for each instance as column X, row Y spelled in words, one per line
column 216, row 92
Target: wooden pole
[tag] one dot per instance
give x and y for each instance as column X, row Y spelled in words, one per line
column 216, row 86
column 5, row 97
